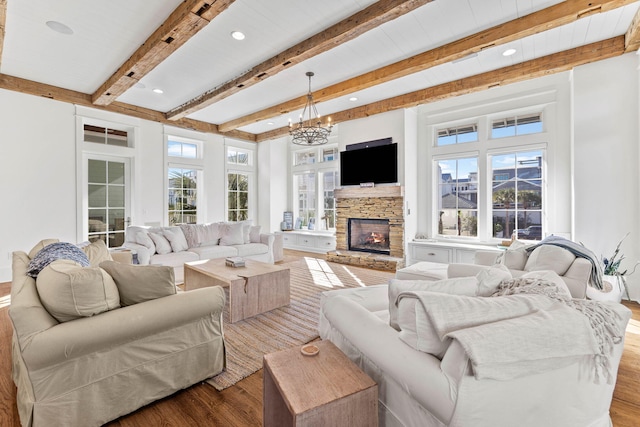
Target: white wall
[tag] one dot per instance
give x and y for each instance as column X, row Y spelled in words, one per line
column 606, row 159
column 273, row 182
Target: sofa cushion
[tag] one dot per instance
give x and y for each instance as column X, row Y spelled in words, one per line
column 55, row 251
column 423, row 270
column 515, row 257
column 552, row 277
column 176, row 238
column 232, row 233
column 69, row 291
column 41, row 244
column 460, row 286
column 490, row 278
column 254, row 234
column 416, row 329
column 201, row 234
column 214, row 251
column 174, row 259
column 97, row 252
column 162, row 245
column 246, row 230
column 550, row 257
column 249, row 249
column 139, row 283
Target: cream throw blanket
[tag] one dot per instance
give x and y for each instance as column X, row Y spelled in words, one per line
column 526, row 328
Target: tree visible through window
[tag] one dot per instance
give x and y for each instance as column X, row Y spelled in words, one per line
column 238, row 195
column 183, row 196
column 458, row 197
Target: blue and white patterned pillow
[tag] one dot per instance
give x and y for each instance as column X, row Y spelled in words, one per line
column 54, row 251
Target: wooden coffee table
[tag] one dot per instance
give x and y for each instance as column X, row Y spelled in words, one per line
column 327, row 389
column 253, row 289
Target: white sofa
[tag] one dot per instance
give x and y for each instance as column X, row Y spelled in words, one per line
column 574, row 271
column 93, row 343
column 417, row 388
column 174, row 245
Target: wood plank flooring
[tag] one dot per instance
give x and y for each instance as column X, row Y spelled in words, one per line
column 241, row 405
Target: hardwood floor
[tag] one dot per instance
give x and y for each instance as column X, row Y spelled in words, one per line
column 241, row 405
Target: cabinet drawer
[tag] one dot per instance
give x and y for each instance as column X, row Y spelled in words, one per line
column 325, row 242
column 306, row 241
column 465, row 256
column 289, row 240
column 432, row 254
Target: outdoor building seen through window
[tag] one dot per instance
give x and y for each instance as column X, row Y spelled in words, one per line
column 183, row 196
column 458, row 197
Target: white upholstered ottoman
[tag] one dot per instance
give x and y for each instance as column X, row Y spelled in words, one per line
column 423, row 270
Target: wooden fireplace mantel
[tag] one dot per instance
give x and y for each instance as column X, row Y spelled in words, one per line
column 358, row 192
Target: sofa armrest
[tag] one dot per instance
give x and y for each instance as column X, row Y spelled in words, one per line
column 123, row 257
column 464, row 270
column 144, row 253
column 84, row 336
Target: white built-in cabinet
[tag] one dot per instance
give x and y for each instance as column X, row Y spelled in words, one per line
column 444, row 252
column 309, row 241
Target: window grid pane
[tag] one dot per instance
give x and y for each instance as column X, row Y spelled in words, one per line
column 106, row 201
column 238, row 196
column 183, row 196
column 458, row 197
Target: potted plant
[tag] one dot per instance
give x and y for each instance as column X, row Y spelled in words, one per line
column 614, row 280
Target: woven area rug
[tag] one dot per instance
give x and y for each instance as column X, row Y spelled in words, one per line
column 296, row 324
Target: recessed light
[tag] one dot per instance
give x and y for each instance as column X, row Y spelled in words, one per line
column 353, row 99
column 508, row 52
column 238, row 35
column 59, row 27
column 158, row 90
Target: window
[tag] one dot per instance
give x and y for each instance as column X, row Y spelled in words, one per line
column 238, row 195
column 183, row 196
column 457, row 135
column 517, row 125
column 237, row 156
column 186, row 150
column 458, row 197
column 517, row 201
column 305, row 186
column 314, row 183
column 105, row 135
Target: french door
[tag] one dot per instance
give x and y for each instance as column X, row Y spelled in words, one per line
column 107, row 202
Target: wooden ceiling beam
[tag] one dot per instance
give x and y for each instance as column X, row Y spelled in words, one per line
column 78, row 98
column 3, row 21
column 551, row 64
column 348, row 29
column 554, row 16
column 183, row 23
column 632, row 37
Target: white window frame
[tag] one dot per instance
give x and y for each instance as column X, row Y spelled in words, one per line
column 238, row 168
column 317, row 168
column 196, row 164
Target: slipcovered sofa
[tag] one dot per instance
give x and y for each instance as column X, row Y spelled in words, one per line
column 174, row 245
column 94, row 342
column 575, row 271
column 429, row 377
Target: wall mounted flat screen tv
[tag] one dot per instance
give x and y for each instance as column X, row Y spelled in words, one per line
column 378, row 164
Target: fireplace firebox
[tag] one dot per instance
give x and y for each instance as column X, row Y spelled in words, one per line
column 369, row 235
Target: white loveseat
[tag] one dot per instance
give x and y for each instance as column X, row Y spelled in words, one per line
column 574, row 271
column 417, row 388
column 174, row 245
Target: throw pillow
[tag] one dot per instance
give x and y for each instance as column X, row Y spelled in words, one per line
column 246, row 230
column 232, row 233
column 550, row 257
column 97, row 252
column 55, row 251
column 176, row 238
column 142, row 238
column 162, row 245
column 254, row 234
column 139, row 283
column 490, row 278
column 41, row 244
column 69, row 291
column 459, row 285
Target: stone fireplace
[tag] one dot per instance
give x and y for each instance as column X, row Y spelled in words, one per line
column 370, row 227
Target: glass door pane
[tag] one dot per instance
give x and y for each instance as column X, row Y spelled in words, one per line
column 107, row 205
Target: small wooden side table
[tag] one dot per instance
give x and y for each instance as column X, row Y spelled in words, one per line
column 327, row 389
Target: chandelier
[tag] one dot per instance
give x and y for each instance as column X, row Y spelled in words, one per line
column 305, row 132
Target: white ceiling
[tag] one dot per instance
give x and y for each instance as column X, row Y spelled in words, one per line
column 107, row 33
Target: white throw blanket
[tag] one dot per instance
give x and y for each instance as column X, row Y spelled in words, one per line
column 522, row 331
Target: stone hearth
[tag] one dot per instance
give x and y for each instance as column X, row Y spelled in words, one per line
column 376, row 203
